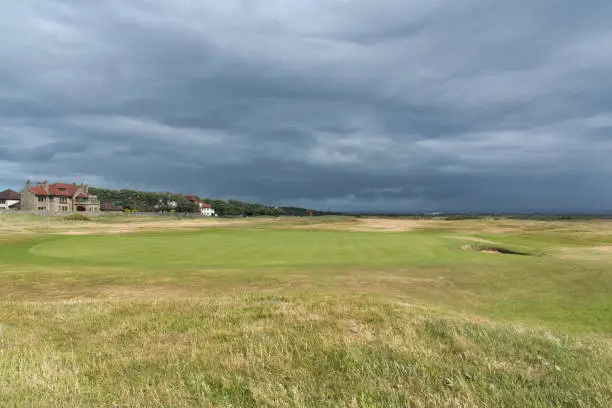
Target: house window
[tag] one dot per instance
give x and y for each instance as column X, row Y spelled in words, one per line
column 63, row 200
column 41, row 199
column 41, row 208
column 2, row 201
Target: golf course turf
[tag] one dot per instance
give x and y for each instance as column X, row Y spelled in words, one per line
column 270, row 313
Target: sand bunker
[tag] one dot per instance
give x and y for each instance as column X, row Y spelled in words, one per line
column 492, row 250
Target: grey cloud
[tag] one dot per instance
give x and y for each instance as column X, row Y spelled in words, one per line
column 373, row 105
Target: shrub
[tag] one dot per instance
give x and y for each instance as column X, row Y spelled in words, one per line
column 77, row 217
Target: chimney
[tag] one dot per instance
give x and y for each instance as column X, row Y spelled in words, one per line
column 46, row 186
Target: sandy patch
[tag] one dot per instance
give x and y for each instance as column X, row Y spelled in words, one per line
column 586, row 253
column 374, row 224
column 391, row 225
column 472, row 239
column 604, row 249
column 127, row 292
column 147, row 226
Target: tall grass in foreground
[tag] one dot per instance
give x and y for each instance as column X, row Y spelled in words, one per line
column 294, row 351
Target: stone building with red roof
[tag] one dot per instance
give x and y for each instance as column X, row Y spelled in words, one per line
column 58, row 197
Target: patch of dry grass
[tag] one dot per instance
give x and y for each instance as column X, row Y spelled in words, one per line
column 285, row 351
column 20, row 224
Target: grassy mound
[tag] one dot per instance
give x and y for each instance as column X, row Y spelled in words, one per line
column 287, row 351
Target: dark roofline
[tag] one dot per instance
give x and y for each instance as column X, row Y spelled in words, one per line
column 10, row 195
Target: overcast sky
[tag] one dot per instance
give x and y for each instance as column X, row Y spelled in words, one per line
column 402, row 105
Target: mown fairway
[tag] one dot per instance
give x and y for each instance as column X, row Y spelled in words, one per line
column 266, row 313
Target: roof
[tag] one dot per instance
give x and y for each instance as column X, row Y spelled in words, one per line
column 110, row 207
column 204, row 205
column 9, row 195
column 58, row 189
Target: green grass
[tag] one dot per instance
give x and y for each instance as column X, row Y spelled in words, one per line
column 251, row 248
column 271, row 316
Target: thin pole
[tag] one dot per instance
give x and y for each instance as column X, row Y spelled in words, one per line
column 310, row 222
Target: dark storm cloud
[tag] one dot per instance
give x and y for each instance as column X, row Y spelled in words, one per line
column 373, row 105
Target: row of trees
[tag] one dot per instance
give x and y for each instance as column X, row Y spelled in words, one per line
column 235, row 208
column 142, row 200
column 152, row 202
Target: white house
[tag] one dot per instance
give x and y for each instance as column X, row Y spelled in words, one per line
column 207, row 210
column 9, row 199
column 166, row 204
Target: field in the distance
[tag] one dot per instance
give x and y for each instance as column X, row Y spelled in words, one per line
column 123, row 312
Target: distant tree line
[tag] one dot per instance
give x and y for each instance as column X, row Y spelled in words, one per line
column 144, row 201
column 235, row 208
column 304, row 212
column 153, row 202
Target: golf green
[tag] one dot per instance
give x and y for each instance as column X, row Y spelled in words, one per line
column 253, row 248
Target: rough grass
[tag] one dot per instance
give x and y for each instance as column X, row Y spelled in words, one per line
column 285, row 351
column 77, row 217
column 267, row 315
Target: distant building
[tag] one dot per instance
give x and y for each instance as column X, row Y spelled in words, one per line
column 166, row 204
column 207, row 210
column 110, row 207
column 9, row 200
column 58, row 197
column 193, row 198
